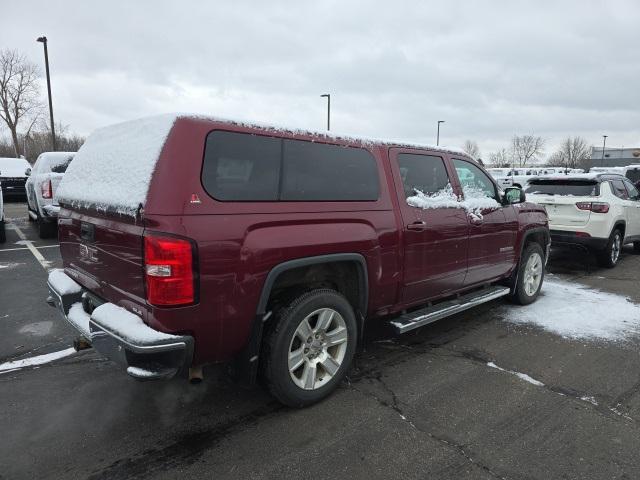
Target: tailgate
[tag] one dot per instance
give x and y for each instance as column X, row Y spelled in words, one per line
column 55, row 178
column 562, row 211
column 104, row 254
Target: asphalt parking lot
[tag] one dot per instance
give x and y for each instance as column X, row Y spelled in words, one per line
column 425, row 405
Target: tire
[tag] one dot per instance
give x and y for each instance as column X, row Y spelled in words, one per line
column 636, row 247
column 609, row 257
column 47, row 229
column 29, row 218
column 310, row 381
column 530, row 275
column 3, row 236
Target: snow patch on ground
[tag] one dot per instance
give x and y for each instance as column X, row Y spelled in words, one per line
column 578, row 312
column 522, row 376
column 474, row 201
column 140, row 372
column 62, row 283
column 34, row 361
column 127, row 325
column 10, row 265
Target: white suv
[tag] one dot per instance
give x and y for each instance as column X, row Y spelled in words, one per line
column 598, row 211
column 41, row 187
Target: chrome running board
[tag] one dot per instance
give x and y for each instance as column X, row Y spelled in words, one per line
column 425, row 316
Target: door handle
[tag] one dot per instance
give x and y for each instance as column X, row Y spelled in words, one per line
column 417, row 226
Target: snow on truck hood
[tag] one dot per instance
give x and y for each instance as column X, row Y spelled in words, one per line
column 113, row 169
column 13, row 167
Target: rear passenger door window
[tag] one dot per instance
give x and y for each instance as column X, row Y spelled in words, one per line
column 422, row 173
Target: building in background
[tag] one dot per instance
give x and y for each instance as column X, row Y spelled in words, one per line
column 614, row 157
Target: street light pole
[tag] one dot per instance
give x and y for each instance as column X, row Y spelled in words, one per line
column 43, row 40
column 328, row 97
column 438, row 136
column 604, row 144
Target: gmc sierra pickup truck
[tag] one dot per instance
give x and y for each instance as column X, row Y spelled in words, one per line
column 189, row 240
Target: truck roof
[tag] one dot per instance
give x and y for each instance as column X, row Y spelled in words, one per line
column 113, row 169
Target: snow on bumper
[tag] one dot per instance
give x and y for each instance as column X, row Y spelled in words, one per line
column 119, row 334
column 51, row 210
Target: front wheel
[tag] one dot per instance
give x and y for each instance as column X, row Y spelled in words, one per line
column 3, row 237
column 308, row 349
column 530, row 275
column 611, row 254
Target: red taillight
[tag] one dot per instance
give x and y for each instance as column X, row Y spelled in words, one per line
column 46, row 189
column 169, row 270
column 595, row 207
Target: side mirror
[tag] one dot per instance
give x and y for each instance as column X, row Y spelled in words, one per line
column 27, row 172
column 513, row 195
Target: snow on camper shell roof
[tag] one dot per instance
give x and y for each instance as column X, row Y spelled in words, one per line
column 113, row 169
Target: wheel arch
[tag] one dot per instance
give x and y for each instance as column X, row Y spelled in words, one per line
column 247, row 362
column 280, row 269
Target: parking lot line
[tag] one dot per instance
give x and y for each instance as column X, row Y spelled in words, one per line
column 27, row 248
column 31, row 247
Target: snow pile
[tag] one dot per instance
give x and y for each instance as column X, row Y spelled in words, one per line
column 126, row 325
column 62, row 283
column 578, row 312
column 113, row 168
column 474, row 203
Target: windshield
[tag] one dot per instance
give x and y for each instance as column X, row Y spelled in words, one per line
column 578, row 188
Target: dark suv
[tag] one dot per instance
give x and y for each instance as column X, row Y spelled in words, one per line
column 190, row 240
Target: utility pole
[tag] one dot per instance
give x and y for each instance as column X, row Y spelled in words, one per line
column 604, row 144
column 43, row 40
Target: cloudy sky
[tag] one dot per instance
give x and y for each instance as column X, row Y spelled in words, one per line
column 489, row 69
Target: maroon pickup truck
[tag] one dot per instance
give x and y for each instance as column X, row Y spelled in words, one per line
column 190, row 240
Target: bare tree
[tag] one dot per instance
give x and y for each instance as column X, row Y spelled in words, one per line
column 526, row 148
column 19, row 93
column 472, row 149
column 500, row 159
column 573, row 153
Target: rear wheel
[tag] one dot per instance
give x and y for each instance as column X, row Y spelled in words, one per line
column 611, row 254
column 46, row 229
column 636, row 247
column 3, row 237
column 308, row 349
column 530, row 275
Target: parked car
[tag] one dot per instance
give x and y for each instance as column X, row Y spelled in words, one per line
column 188, row 241
column 518, row 177
column 41, row 187
column 3, row 237
column 600, row 212
column 13, row 175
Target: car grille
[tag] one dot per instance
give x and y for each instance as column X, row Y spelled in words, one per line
column 13, row 186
